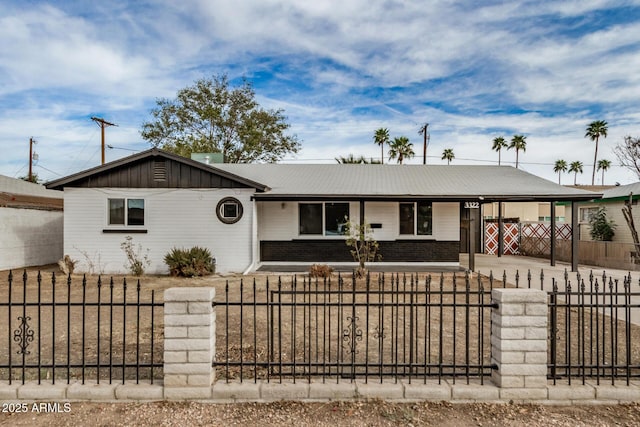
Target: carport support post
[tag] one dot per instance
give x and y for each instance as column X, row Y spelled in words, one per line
column 575, row 236
column 472, row 241
column 189, row 343
column 552, row 254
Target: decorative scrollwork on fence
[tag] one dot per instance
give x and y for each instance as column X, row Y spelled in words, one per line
column 378, row 333
column 23, row 335
column 352, row 334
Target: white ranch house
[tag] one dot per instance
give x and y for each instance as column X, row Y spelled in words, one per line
column 256, row 215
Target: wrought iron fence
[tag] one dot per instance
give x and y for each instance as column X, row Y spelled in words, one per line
column 58, row 330
column 594, row 330
column 396, row 326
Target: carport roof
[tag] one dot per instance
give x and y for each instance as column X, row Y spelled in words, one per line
column 435, row 182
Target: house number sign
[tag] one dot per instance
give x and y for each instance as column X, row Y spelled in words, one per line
column 471, row 205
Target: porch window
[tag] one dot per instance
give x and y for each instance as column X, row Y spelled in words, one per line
column 327, row 219
column 310, row 218
column 416, row 218
column 407, row 218
column 133, row 214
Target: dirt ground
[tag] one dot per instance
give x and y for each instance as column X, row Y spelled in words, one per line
column 375, row 413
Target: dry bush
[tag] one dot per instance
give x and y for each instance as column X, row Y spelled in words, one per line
column 320, row 270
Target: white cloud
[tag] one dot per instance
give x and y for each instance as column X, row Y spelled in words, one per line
column 342, row 69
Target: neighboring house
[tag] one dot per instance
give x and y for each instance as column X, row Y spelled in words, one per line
column 613, row 201
column 251, row 215
column 526, row 211
column 30, row 224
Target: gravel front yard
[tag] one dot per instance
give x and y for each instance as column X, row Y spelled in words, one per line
column 329, row 414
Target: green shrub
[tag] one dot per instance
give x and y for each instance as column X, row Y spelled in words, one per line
column 192, row 262
column 601, row 228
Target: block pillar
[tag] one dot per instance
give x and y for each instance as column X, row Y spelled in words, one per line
column 189, row 343
column 519, row 341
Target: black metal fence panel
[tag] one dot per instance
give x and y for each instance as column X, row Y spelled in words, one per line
column 58, row 330
column 395, row 326
column 594, row 330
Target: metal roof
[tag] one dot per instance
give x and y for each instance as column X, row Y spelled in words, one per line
column 622, row 191
column 363, row 182
column 438, row 182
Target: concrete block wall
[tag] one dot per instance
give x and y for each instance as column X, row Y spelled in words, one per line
column 519, row 343
column 189, row 343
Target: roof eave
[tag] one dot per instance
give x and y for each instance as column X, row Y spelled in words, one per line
column 434, row 197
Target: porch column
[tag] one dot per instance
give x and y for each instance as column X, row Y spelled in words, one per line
column 500, row 231
column 552, row 255
column 575, row 236
column 362, row 235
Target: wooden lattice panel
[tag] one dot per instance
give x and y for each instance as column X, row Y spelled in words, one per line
column 511, row 238
column 536, row 238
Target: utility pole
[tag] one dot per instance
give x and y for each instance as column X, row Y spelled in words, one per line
column 31, row 155
column 423, row 131
column 103, row 124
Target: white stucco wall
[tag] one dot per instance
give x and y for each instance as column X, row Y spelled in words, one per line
column 446, row 221
column 279, row 220
column 29, row 237
column 180, row 218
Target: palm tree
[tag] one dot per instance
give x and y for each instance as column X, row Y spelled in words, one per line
column 381, row 137
column 519, row 142
column 595, row 130
column 604, row 165
column 401, row 149
column 351, row 160
column 448, row 155
column 559, row 167
column 575, row 167
column 498, row 144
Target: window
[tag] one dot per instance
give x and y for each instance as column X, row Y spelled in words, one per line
column 132, row 215
column 407, row 218
column 587, row 213
column 416, row 218
column 335, row 218
column 323, row 218
column 229, row 210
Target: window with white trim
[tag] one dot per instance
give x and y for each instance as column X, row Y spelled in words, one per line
column 587, row 213
column 416, row 218
column 126, row 212
column 327, row 219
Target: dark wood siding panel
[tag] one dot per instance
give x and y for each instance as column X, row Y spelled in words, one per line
column 141, row 175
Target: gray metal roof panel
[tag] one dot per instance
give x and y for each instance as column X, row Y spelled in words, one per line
column 437, row 181
column 622, row 191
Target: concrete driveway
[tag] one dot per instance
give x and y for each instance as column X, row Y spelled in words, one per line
column 511, row 264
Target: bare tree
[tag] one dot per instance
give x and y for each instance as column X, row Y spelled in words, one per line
column 628, row 217
column 628, row 153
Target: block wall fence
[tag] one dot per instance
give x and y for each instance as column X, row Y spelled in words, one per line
column 518, row 349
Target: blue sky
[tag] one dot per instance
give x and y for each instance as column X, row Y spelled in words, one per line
column 339, row 70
